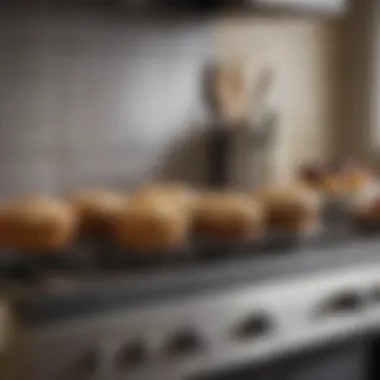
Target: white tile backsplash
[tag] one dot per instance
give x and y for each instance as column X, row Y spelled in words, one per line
column 87, row 100
column 119, row 100
column 23, row 173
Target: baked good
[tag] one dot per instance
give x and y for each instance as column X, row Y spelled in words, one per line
column 367, row 216
column 338, row 177
column 37, row 223
column 97, row 209
column 366, row 219
column 228, row 216
column 175, row 193
column 366, row 209
column 357, row 178
column 346, row 177
column 313, row 175
column 348, row 183
column 335, row 185
column 151, row 223
column 291, row 208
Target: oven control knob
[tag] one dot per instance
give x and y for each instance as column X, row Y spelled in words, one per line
column 343, row 303
column 254, row 326
column 131, row 355
column 182, row 343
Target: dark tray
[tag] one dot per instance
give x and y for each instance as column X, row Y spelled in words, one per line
column 108, row 255
column 202, row 250
column 100, row 254
column 27, row 266
column 197, row 250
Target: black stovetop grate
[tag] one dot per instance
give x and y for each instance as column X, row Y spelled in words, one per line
column 98, row 255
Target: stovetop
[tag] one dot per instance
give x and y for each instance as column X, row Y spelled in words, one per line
column 56, row 295
column 181, row 325
column 176, row 321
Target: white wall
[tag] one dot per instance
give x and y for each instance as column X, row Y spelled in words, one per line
column 90, row 100
column 85, row 100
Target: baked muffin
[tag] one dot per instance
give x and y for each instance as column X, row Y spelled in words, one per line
column 346, row 177
column 175, row 193
column 313, row 176
column 151, row 223
column 357, row 178
column 292, row 208
column 365, row 209
column 97, row 209
column 37, row 223
column 228, row 216
column 334, row 185
column 342, row 189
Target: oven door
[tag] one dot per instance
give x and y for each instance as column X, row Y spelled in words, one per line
column 346, row 361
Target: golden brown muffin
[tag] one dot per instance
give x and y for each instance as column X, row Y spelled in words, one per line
column 348, row 182
column 228, row 216
column 357, row 179
column 294, row 208
column 37, row 223
column 97, row 209
column 151, row 223
column 174, row 193
column 334, row 185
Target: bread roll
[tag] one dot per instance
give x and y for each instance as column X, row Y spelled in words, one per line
column 151, row 223
column 97, row 209
column 37, row 223
column 291, row 208
column 228, row 216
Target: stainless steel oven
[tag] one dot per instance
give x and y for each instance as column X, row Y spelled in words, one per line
column 349, row 360
column 249, row 319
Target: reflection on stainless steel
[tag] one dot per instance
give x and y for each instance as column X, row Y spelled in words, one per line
column 178, row 334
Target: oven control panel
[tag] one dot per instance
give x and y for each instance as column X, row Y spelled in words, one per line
column 183, row 337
